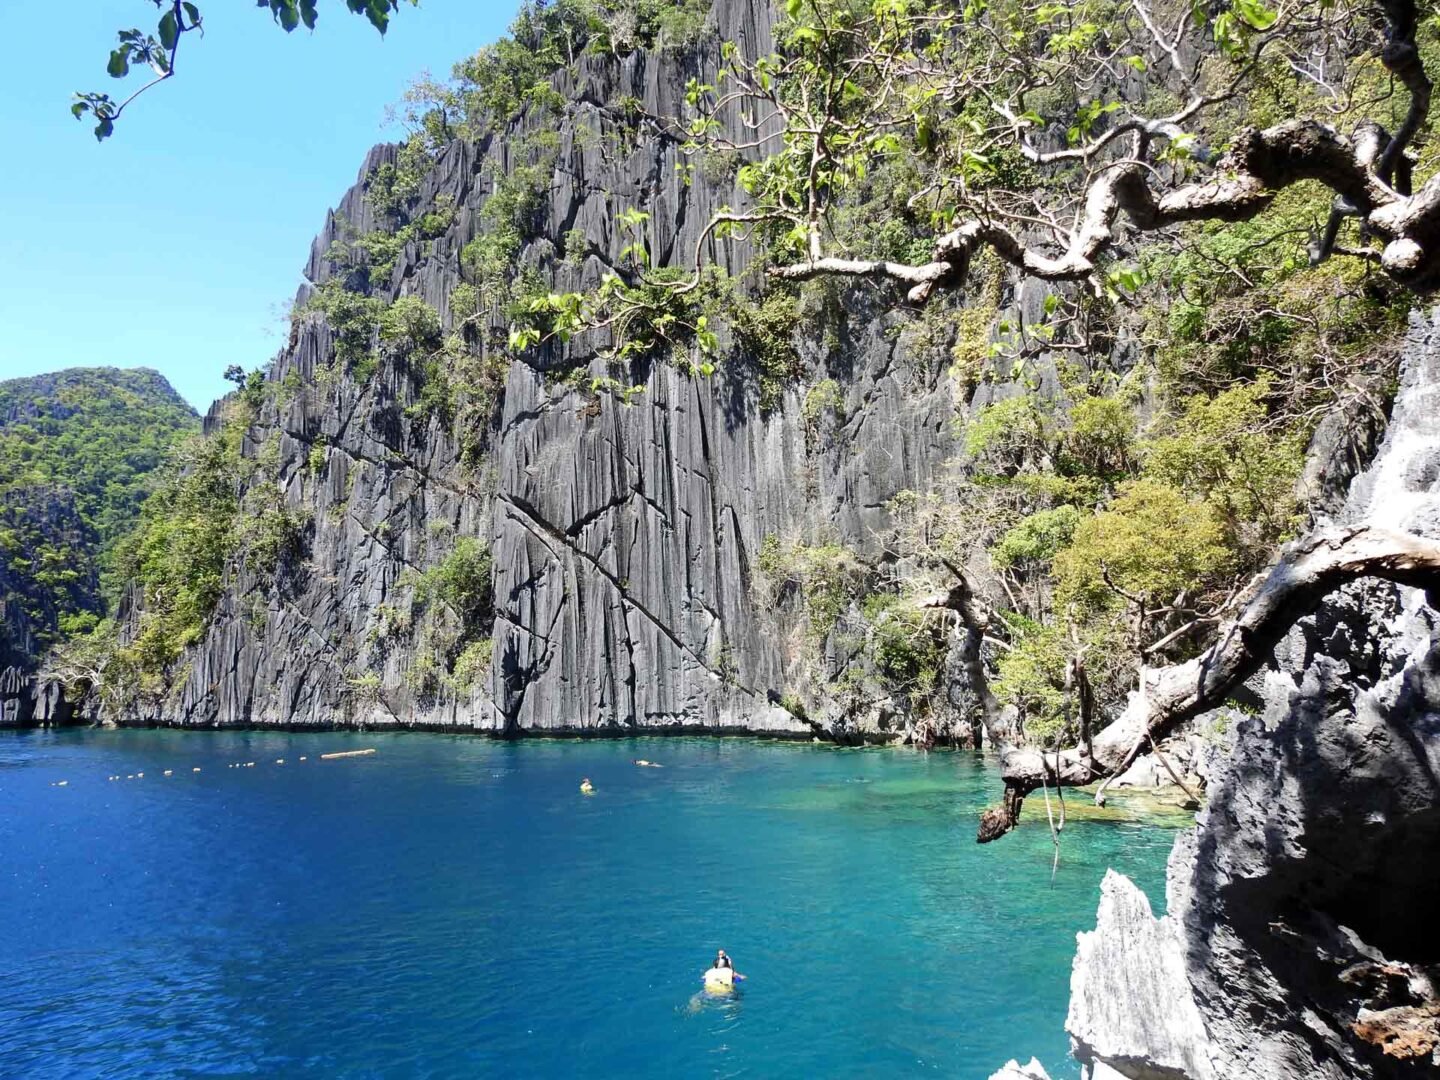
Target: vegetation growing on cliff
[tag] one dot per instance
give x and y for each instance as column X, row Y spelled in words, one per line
column 454, row 607
column 78, row 455
column 1136, row 508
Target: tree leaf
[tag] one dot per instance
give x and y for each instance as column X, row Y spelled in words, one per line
column 119, row 65
column 169, row 29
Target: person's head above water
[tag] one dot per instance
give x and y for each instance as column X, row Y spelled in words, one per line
column 721, row 960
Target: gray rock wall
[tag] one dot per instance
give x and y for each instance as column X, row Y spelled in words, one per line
column 624, row 535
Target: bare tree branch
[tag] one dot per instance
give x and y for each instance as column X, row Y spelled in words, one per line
column 1307, row 571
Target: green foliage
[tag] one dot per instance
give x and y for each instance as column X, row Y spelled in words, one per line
column 1100, row 439
column 1033, row 674
column 1010, row 433
column 501, row 79
column 411, row 324
column 453, row 643
column 177, row 556
column 764, row 331
column 1030, row 676
column 273, row 536
column 472, row 666
column 461, row 582
column 249, row 386
column 79, row 454
column 1226, row 451
column 1151, row 543
column 354, row 319
column 366, row 687
column 394, row 186
column 377, row 252
column 794, row 704
column 651, row 318
column 824, row 396
column 972, row 339
column 155, row 53
column 1037, row 538
column 826, row 576
column 1246, row 300
column 318, row 457
column 508, row 219
column 907, row 647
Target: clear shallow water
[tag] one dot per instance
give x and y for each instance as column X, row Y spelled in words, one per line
column 454, row 907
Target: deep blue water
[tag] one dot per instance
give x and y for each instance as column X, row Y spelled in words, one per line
column 453, row 906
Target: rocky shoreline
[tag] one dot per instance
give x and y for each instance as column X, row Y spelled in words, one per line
column 1301, row 937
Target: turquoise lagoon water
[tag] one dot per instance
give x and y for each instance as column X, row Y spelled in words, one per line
column 453, row 906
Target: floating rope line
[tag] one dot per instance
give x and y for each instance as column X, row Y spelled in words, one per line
column 234, row 765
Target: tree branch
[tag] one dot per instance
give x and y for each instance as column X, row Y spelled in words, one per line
column 1308, row 571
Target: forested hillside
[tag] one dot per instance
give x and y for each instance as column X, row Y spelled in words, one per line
column 79, row 450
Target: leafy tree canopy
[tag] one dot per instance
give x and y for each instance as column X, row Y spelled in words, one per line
column 154, row 53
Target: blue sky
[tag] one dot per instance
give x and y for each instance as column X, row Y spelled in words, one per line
column 177, row 243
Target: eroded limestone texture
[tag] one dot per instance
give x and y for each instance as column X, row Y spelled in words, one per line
column 624, row 535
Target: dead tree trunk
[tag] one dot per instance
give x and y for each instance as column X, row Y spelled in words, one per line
column 975, row 618
column 1308, row 570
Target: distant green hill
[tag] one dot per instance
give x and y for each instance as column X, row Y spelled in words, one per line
column 77, row 452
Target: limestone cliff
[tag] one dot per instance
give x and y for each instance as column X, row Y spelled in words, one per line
column 624, row 531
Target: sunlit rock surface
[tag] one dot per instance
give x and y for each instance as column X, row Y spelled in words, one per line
column 624, row 536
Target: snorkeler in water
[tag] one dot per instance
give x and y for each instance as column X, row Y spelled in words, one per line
column 722, row 972
column 646, row 764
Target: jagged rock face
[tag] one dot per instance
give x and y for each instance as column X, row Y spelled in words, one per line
column 1303, row 908
column 49, row 517
column 624, row 536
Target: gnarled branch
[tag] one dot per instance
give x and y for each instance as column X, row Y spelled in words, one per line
column 1307, row 571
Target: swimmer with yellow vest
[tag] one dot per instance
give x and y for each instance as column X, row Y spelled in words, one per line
column 722, row 974
column 587, row 788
